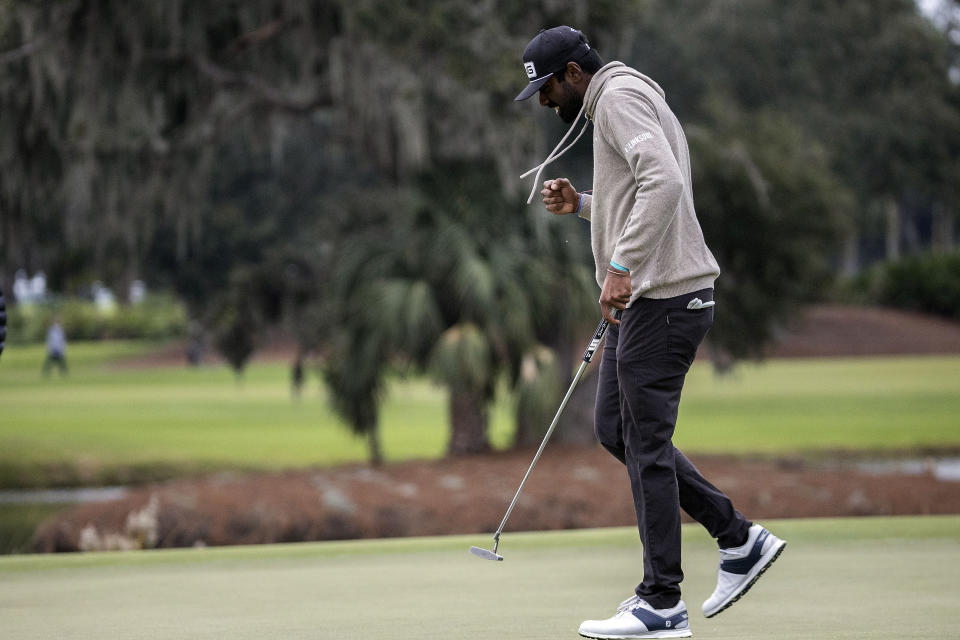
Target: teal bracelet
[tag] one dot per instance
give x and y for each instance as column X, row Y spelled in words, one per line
column 618, row 267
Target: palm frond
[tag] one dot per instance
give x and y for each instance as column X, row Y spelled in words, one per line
column 407, row 313
column 462, row 358
column 539, row 386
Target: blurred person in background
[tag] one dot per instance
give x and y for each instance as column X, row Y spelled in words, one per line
column 194, row 344
column 56, row 348
column 296, row 376
column 656, row 276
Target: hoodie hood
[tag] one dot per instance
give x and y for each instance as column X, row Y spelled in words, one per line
column 594, row 89
column 606, row 73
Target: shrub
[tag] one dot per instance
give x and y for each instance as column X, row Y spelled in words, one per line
column 927, row 282
column 158, row 316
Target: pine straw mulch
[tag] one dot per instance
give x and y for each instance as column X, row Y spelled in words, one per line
column 571, row 487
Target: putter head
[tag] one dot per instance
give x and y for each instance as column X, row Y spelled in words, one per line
column 486, row 555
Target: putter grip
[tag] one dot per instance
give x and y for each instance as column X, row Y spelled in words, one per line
column 595, row 343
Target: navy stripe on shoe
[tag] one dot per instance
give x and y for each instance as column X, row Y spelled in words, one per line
column 743, row 565
column 654, row 622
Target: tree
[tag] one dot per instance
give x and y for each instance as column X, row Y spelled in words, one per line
column 458, row 282
column 121, row 107
column 772, row 212
column 326, row 160
column 237, row 326
column 869, row 80
column 354, row 372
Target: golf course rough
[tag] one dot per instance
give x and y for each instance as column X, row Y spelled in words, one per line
column 78, row 430
column 839, row 578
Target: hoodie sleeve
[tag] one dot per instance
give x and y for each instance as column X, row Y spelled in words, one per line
column 629, row 124
column 586, row 205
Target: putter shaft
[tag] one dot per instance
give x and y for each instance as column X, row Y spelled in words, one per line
column 543, row 444
column 587, row 357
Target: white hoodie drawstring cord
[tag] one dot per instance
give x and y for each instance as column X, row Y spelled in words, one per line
column 554, row 155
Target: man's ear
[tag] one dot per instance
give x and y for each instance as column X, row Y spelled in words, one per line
column 574, row 72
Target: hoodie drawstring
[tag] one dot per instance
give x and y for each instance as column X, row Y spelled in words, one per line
column 554, row 155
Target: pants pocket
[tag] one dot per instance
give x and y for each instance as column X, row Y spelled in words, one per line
column 686, row 329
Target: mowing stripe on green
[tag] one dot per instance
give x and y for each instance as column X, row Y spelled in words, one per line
column 838, row 578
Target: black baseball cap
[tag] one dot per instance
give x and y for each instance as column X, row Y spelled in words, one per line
column 549, row 52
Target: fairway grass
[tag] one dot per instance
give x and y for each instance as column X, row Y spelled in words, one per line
column 106, row 423
column 846, row 578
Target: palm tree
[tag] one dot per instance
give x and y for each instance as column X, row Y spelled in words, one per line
column 460, row 282
column 354, row 374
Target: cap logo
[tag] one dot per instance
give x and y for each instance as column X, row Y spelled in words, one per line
column 530, row 69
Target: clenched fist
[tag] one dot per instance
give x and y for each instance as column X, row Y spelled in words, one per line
column 559, row 196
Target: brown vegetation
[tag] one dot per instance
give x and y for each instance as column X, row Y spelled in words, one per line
column 572, row 487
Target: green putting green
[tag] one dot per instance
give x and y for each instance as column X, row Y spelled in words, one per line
column 847, row 578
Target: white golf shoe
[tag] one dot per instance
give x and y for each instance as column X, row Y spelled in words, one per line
column 637, row 619
column 741, row 566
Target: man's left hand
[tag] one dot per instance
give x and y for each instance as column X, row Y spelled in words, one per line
column 615, row 294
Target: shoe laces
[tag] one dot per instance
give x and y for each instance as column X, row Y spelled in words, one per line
column 629, row 603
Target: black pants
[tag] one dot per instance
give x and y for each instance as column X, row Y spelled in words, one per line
column 645, row 361
column 55, row 358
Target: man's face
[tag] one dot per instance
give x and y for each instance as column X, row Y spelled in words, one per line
column 561, row 97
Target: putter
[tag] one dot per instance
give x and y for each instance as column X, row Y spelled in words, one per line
column 486, row 554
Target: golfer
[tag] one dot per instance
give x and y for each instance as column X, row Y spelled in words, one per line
column 652, row 264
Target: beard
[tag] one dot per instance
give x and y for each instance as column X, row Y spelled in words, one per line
column 571, row 104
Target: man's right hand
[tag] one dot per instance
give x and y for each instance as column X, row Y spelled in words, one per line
column 559, row 196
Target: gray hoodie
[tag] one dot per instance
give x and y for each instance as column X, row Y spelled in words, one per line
column 641, row 212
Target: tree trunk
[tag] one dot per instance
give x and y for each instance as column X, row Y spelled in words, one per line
column 892, row 215
column 942, row 229
column 909, row 233
column 850, row 265
column 527, row 430
column 576, row 423
column 468, row 422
